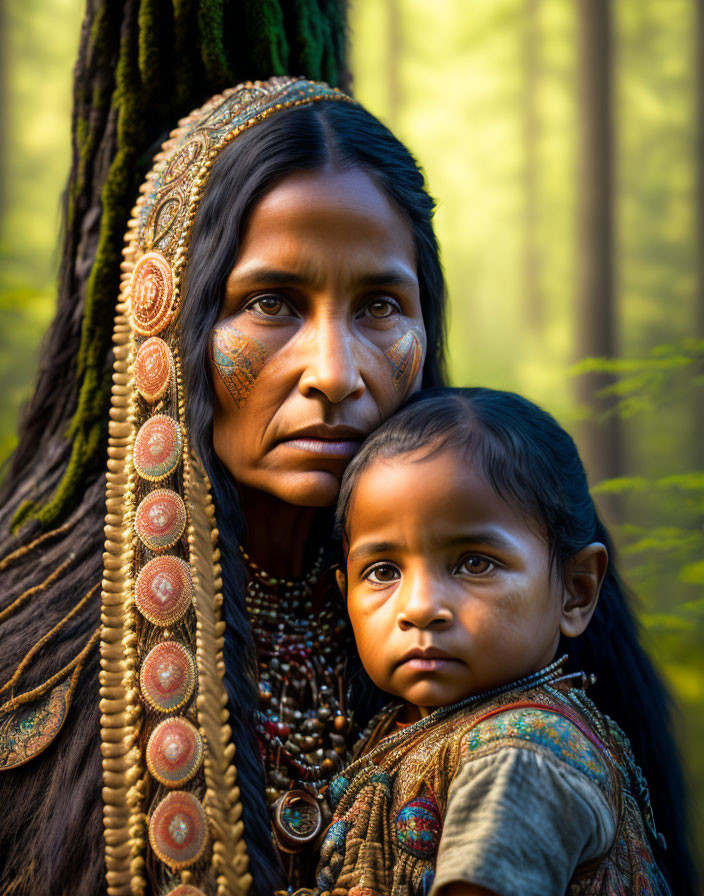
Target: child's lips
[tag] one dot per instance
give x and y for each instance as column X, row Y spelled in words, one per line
column 427, row 659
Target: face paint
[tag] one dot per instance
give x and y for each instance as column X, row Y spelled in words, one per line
column 238, row 359
column 405, row 357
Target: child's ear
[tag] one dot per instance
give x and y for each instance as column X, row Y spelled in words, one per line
column 583, row 575
column 341, row 579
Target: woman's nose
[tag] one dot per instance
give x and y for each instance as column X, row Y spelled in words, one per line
column 422, row 604
column 332, row 363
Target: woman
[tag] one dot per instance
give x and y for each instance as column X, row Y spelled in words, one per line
column 282, row 295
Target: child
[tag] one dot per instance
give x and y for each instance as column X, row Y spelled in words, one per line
column 472, row 547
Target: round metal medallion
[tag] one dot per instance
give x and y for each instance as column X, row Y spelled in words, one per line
column 157, row 448
column 153, row 369
column 174, row 752
column 168, row 676
column 160, row 519
column 164, row 590
column 297, row 820
column 151, row 294
column 178, row 830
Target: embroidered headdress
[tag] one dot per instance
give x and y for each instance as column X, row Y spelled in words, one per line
column 168, row 759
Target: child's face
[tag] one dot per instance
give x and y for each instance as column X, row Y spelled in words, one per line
column 449, row 588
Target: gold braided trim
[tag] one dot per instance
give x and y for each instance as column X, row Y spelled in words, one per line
column 28, row 548
column 124, row 774
column 36, row 589
column 44, row 640
column 120, row 706
column 222, row 796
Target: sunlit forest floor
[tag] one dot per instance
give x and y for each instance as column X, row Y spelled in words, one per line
column 455, row 87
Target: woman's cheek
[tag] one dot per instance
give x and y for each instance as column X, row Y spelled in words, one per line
column 406, row 359
column 238, row 360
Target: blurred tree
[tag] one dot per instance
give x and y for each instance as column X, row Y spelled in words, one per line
column 596, row 311
column 698, row 405
column 394, row 60
column 534, row 302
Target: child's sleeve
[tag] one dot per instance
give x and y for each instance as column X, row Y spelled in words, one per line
column 528, row 805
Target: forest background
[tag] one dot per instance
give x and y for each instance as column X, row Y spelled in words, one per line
column 564, row 143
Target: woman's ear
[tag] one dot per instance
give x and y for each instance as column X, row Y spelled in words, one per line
column 341, row 580
column 583, row 575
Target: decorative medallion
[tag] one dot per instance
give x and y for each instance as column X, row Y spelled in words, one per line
column 174, row 752
column 297, row 820
column 160, row 519
column 153, row 369
column 168, row 676
column 28, row 730
column 418, row 827
column 164, row 591
column 152, row 293
column 185, row 890
column 178, row 830
column 157, row 448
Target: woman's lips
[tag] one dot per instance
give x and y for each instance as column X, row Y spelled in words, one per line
column 324, row 447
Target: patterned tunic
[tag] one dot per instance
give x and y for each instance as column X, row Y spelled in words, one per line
column 389, row 806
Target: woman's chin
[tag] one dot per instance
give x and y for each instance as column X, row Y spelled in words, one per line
column 313, row 488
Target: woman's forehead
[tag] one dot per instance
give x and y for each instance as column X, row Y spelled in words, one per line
column 311, row 221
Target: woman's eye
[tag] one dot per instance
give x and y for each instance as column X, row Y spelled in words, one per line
column 271, row 305
column 381, row 308
column 475, row 566
column 382, row 574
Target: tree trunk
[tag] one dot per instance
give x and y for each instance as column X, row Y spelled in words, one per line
column 534, row 310
column 596, row 311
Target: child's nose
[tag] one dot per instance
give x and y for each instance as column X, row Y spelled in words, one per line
column 421, row 604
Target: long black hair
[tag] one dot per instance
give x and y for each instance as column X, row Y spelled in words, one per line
column 307, row 138
column 529, row 459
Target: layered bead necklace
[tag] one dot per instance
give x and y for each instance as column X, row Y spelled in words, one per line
column 300, row 634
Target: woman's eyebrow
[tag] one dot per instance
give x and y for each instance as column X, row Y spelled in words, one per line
column 277, row 276
column 393, row 277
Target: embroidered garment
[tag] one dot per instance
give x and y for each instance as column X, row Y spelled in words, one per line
column 458, row 798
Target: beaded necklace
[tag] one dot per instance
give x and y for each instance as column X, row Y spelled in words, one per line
column 299, row 633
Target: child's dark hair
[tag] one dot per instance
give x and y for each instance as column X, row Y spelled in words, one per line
column 532, row 462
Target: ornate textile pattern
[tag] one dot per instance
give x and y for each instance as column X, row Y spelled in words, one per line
column 238, row 359
column 544, row 730
column 29, row 729
column 405, row 357
column 171, row 803
column 390, row 803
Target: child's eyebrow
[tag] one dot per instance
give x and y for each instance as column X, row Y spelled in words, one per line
column 371, row 548
column 485, row 537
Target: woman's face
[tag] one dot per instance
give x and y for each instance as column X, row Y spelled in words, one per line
column 320, row 336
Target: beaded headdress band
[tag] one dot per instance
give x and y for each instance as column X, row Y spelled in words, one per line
column 168, row 760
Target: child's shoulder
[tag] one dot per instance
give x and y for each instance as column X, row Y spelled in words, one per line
column 544, row 730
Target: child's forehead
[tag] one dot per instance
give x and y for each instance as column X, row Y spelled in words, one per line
column 428, row 497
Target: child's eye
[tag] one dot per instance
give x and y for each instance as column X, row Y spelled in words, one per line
column 475, row 565
column 383, row 574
